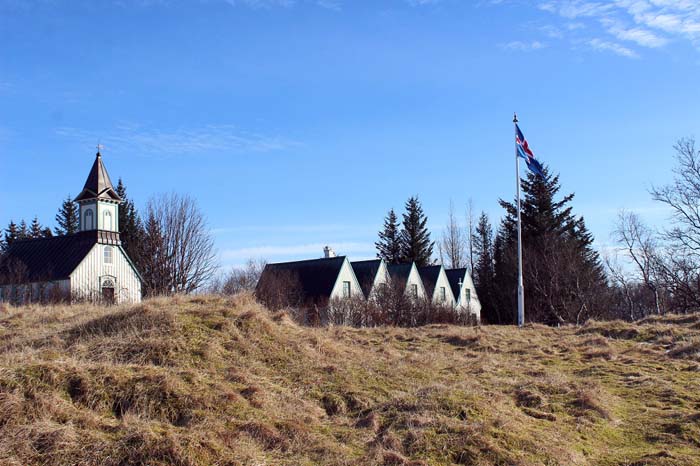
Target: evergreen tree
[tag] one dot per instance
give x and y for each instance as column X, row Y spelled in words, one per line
column 416, row 245
column 152, row 260
column 67, row 218
column 35, row 229
column 11, row 235
column 484, row 272
column 563, row 275
column 130, row 225
column 46, row 233
column 23, row 230
column 389, row 244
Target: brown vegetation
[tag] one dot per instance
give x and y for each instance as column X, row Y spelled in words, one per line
column 209, row 380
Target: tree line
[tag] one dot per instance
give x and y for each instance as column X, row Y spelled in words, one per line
column 169, row 242
column 650, row 271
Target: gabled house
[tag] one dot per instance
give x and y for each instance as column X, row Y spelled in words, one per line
column 407, row 277
column 437, row 287
column 312, row 282
column 89, row 265
column 371, row 274
column 464, row 290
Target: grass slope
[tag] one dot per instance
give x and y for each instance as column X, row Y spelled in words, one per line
column 214, row 381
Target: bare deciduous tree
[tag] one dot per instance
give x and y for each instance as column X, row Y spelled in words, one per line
column 471, row 233
column 683, row 197
column 642, row 248
column 452, row 246
column 180, row 256
column 242, row 279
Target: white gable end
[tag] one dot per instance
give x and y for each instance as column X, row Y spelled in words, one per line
column 443, row 285
column 346, row 276
column 414, row 279
column 106, row 266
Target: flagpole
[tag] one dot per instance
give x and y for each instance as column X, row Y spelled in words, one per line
column 521, row 287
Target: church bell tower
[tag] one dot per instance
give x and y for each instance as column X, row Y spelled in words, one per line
column 98, row 201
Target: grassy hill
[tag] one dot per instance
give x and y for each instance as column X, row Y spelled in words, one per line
column 206, row 380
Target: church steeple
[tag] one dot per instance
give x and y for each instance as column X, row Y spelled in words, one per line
column 98, row 185
column 98, row 200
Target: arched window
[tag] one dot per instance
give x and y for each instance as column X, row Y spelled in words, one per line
column 108, row 221
column 89, row 221
column 108, row 254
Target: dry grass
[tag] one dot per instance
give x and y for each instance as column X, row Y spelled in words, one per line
column 208, row 380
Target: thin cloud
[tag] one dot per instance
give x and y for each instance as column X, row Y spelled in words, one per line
column 524, row 46
column 640, row 36
column 643, row 23
column 140, row 140
column 613, row 47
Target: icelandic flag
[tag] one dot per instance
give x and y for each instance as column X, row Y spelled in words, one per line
column 525, row 152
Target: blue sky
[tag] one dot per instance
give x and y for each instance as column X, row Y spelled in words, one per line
column 300, row 123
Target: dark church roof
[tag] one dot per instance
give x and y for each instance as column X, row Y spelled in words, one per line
column 366, row 272
column 98, row 185
column 454, row 276
column 49, row 259
column 316, row 277
column 429, row 274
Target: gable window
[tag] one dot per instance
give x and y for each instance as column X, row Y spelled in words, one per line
column 414, row 290
column 443, row 294
column 468, row 294
column 88, row 219
column 346, row 289
column 108, row 255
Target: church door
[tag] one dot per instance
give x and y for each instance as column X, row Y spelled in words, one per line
column 108, row 291
column 108, row 295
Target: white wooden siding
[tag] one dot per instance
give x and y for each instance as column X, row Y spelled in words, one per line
column 473, row 305
column 86, row 279
column 346, row 274
column 414, row 279
column 381, row 278
column 35, row 292
column 443, row 282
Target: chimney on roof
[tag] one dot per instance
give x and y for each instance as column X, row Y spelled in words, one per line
column 328, row 252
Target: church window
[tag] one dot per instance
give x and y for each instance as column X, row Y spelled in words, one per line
column 346, row 289
column 108, row 220
column 88, row 220
column 108, row 254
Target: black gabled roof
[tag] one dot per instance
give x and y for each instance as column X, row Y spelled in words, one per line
column 45, row 259
column 454, row 276
column 316, row 277
column 429, row 274
column 401, row 271
column 366, row 272
column 98, row 185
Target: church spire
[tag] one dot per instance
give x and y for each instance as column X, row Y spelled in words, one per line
column 98, row 185
column 99, row 202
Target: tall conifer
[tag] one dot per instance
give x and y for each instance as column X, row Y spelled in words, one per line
column 563, row 274
column 389, row 244
column 130, row 225
column 67, row 218
column 416, row 245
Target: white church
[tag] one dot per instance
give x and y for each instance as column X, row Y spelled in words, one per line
column 90, row 265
